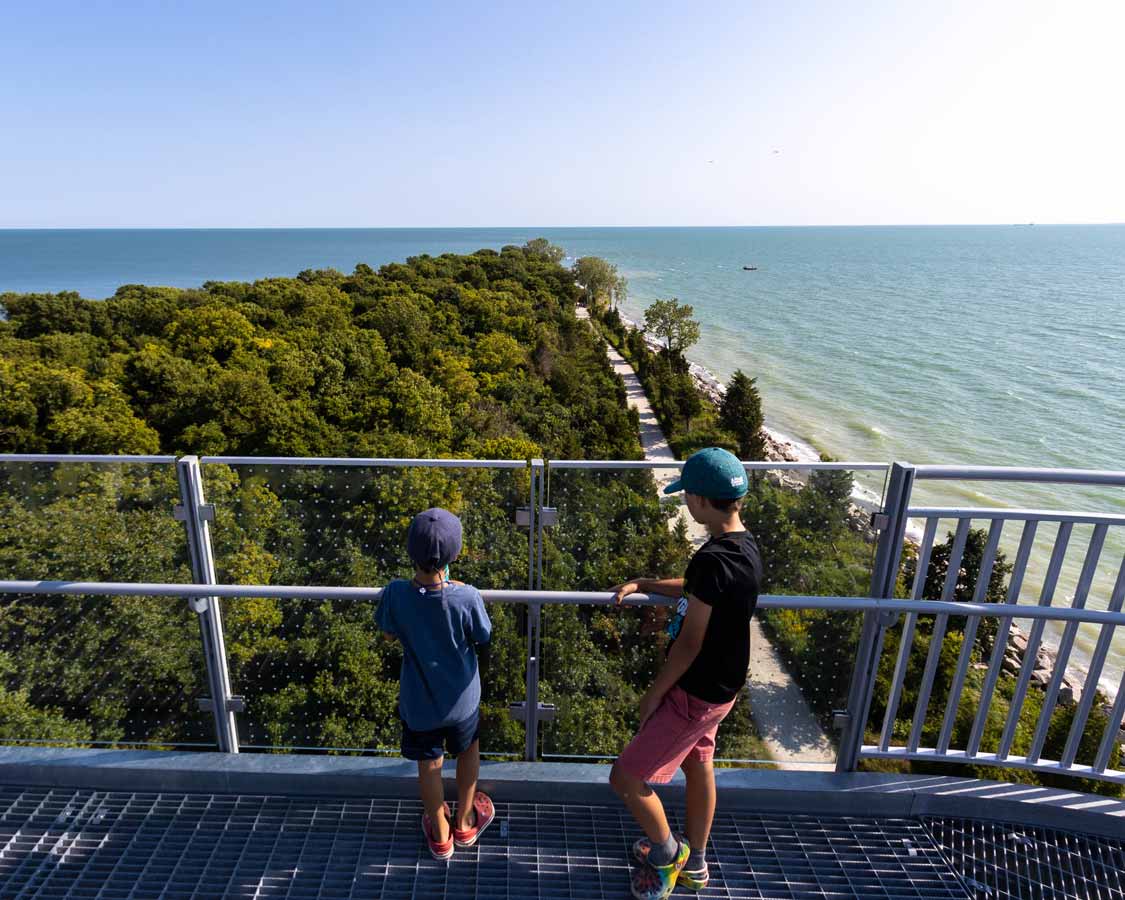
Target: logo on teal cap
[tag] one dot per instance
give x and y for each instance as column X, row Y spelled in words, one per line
column 711, row 472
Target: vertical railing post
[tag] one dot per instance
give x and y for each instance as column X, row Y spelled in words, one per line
column 892, row 523
column 195, row 513
column 540, row 503
column 531, row 707
column 532, row 516
column 534, row 615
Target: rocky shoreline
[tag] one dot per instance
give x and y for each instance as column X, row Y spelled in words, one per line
column 1043, row 670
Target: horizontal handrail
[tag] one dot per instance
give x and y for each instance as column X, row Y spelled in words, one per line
column 930, row 754
column 82, row 458
column 930, row 472
column 571, row 598
column 364, row 461
column 432, row 463
column 750, row 465
column 615, row 464
column 1013, row 473
column 1023, row 515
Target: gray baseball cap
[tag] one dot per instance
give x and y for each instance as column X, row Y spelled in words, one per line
column 434, row 538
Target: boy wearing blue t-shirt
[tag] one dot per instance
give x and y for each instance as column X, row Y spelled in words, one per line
column 440, row 623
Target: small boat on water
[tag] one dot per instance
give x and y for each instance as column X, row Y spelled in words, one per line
column 749, row 268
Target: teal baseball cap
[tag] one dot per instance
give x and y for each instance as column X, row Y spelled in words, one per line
column 712, row 472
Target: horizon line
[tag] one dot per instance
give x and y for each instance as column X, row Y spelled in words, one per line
column 997, row 224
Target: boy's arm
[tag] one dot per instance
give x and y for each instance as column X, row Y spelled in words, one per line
column 681, row 654
column 482, row 625
column 383, row 617
column 668, row 587
column 480, row 631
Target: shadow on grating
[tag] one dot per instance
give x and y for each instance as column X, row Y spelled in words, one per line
column 91, row 844
column 998, row 861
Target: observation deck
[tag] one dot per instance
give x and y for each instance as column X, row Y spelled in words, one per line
column 155, row 751
column 120, row 823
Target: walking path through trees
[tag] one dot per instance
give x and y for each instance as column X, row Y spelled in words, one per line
column 783, row 719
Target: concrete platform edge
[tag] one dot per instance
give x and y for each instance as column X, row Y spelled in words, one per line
column 752, row 790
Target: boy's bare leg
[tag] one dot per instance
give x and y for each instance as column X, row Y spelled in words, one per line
column 699, row 800
column 433, row 796
column 468, row 770
column 642, row 802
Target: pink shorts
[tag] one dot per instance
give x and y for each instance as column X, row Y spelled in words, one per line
column 683, row 726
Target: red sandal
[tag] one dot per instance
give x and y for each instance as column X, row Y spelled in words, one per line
column 483, row 813
column 438, row 849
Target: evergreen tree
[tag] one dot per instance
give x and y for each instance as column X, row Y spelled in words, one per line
column 741, row 414
column 688, row 402
column 825, row 501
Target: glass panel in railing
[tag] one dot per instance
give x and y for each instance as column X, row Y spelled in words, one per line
column 102, row 671
column 346, row 525
column 96, row 670
column 814, row 539
column 90, row 522
column 318, row 674
column 596, row 661
column 814, row 530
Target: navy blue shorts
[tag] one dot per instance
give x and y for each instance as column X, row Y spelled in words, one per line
column 454, row 738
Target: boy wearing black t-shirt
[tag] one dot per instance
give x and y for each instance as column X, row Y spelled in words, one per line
column 703, row 672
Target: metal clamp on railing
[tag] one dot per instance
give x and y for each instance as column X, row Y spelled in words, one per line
column 548, row 516
column 236, row 703
column 205, row 512
column 545, row 712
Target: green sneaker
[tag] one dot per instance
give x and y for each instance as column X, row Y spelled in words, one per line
column 692, row 879
column 656, row 882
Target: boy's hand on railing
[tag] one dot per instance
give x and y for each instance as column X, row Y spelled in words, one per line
column 624, row 590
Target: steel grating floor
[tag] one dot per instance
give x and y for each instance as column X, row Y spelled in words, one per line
column 92, row 844
column 1007, row 861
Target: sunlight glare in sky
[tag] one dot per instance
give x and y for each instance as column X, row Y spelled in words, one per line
column 740, row 113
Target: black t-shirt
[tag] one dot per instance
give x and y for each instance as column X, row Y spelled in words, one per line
column 724, row 573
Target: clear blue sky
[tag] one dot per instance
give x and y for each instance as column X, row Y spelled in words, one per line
column 353, row 114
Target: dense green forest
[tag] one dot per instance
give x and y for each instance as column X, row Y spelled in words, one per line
column 478, row 356
column 458, row 356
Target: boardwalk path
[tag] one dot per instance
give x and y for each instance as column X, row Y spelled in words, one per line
column 784, row 720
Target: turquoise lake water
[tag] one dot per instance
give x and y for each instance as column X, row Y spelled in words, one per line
column 999, row 345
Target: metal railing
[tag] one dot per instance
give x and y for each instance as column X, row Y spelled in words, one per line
column 898, row 513
column 887, row 609
column 882, row 610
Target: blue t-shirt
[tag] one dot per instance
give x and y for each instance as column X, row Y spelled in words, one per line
column 439, row 629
